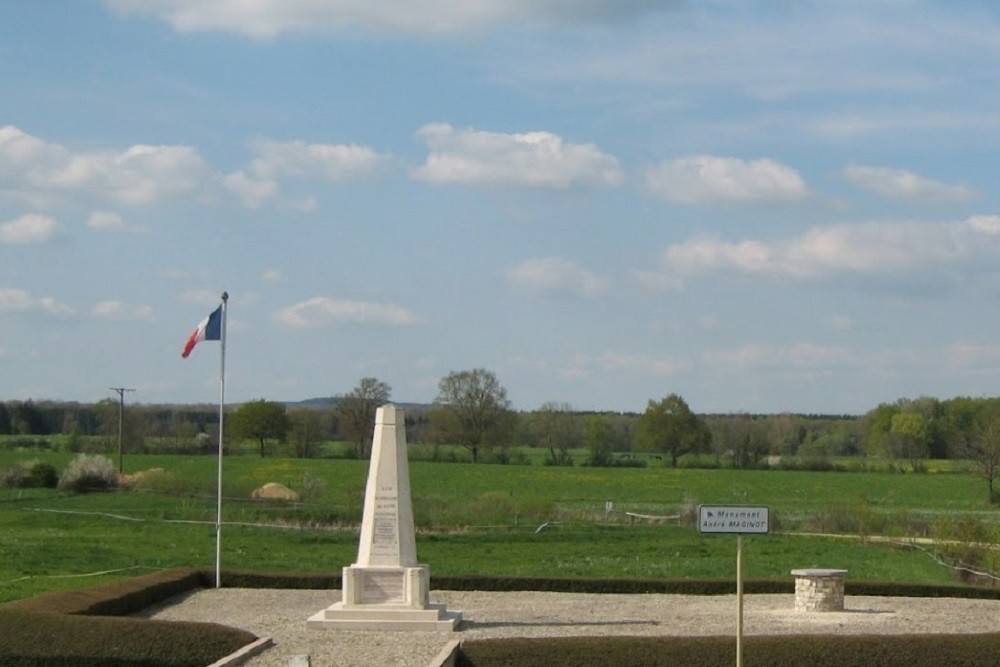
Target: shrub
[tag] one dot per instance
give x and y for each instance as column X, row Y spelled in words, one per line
column 89, row 473
column 26, row 442
column 42, row 476
column 29, row 475
column 11, row 477
column 815, row 650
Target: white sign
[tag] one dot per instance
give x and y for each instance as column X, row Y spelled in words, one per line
column 732, row 519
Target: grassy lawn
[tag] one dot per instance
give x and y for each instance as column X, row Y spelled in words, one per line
column 472, row 519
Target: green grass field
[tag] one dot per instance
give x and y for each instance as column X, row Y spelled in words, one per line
column 471, row 519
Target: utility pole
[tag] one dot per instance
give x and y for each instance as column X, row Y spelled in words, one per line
column 121, row 411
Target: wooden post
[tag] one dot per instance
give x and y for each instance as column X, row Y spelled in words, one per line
column 739, row 601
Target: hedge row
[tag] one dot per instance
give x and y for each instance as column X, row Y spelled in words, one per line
column 247, row 579
column 84, row 627
column 30, row 638
column 116, row 598
column 761, row 651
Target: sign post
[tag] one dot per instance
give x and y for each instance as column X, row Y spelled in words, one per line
column 741, row 520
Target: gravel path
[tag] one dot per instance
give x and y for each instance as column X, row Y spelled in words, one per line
column 282, row 614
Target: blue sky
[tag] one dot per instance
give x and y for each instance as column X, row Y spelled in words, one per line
column 761, row 206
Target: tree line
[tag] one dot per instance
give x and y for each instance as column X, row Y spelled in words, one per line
column 472, row 410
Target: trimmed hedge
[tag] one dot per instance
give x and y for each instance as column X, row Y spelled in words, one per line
column 977, row 650
column 279, row 580
column 117, row 598
column 34, row 638
column 247, row 579
column 82, row 627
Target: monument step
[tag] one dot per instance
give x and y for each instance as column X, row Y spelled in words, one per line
column 374, row 612
column 437, row 620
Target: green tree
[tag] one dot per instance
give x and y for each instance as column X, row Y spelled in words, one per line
column 307, row 429
column 932, row 412
column 27, row 419
column 5, row 420
column 474, row 411
column 786, row 433
column 597, row 435
column 909, row 438
column 133, row 435
column 356, row 413
column 668, row 426
column 984, row 449
column 876, row 427
column 961, row 417
column 742, row 437
column 260, row 421
column 558, row 429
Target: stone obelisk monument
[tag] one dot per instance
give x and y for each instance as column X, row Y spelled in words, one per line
column 386, row 589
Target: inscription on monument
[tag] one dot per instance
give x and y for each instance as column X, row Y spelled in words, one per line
column 380, row 587
column 385, row 528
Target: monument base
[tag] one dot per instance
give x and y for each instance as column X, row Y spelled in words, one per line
column 380, row 617
column 386, row 598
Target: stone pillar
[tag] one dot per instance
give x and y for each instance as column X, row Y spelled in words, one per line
column 386, row 588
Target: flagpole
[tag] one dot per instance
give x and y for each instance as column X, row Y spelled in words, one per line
column 222, row 405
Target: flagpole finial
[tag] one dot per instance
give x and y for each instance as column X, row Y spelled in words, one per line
column 225, row 296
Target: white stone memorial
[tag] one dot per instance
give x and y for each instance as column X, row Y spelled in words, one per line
column 386, row 589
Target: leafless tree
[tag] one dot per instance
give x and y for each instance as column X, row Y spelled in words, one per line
column 356, row 413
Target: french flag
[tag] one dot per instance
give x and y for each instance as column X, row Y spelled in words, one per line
column 209, row 328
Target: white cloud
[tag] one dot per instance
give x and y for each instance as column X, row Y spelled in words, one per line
column 538, row 159
column 658, row 280
column 320, row 311
column 822, row 56
column 866, row 248
column 336, row 163
column 799, row 355
column 250, row 190
column 268, row 18
column 109, row 221
column 970, row 355
column 15, row 299
column 646, row 364
column 988, row 225
column 581, row 366
column 904, row 185
column 19, row 300
column 852, row 126
column 20, row 151
column 273, row 276
column 28, row 229
column 53, row 307
column 141, row 174
column 138, row 175
column 840, row 322
column 556, row 275
column 707, row 179
column 119, row 311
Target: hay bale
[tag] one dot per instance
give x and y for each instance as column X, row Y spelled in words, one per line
column 274, row 491
column 129, row 480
